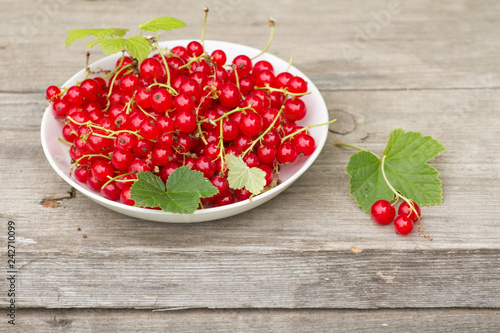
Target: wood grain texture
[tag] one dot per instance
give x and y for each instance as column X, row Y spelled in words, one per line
column 260, row 321
column 287, row 265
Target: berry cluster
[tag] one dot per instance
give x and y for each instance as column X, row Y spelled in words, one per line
column 383, row 212
column 179, row 107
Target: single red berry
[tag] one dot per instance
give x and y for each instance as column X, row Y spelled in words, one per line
column 121, row 159
column 382, row 212
column 60, row 108
column 229, row 96
column 166, row 171
column 221, row 184
column 266, row 153
column 74, row 95
column 143, row 148
column 269, row 174
column 194, row 49
column 297, row 85
column 123, row 61
column 123, row 182
column 151, row 69
column 82, row 173
column 304, row 143
column 162, row 155
column 247, row 85
column 251, row 160
column 282, row 80
column 243, row 65
column 161, row 100
column 68, row 133
column 51, row 92
column 405, row 210
column 111, row 191
column 286, row 153
column 251, row 124
column 204, row 164
column 295, row 109
column 129, row 84
column 403, row 225
column 242, row 142
column 180, row 51
column 102, row 170
column 184, row 102
column 125, row 197
column 185, row 121
column 230, row 129
column 94, row 183
column 149, row 130
column 90, row 89
column 242, row 194
column 139, row 165
column 225, row 200
column 264, row 78
column 219, row 58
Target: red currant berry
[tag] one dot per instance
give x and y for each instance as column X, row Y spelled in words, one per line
column 125, row 197
column 149, row 130
column 123, row 61
column 162, row 155
column 111, row 191
column 102, row 170
column 161, row 100
column 143, row 148
column 129, row 84
column 382, row 212
column 405, row 210
column 295, row 109
column 304, row 143
column 264, row 78
column 74, row 95
column 230, row 129
column 121, row 159
column 403, row 225
column 286, row 153
column 266, row 153
column 243, row 65
column 251, row 124
column 229, row 96
column 219, row 58
column 94, row 183
column 82, row 173
column 51, row 92
column 225, row 200
column 60, row 108
column 242, row 194
column 139, row 165
column 184, row 102
column 151, row 69
column 297, row 85
column 185, row 121
column 282, row 80
column 194, row 49
column 180, row 51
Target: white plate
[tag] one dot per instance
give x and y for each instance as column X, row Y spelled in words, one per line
column 58, row 157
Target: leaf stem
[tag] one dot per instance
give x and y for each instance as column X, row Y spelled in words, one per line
column 343, row 144
column 398, row 195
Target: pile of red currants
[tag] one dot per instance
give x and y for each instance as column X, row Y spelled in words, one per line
column 180, row 107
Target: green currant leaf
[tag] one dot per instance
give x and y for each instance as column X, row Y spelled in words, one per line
column 162, row 23
column 240, row 175
column 184, row 189
column 79, row 34
column 109, row 45
column 406, row 169
column 138, row 47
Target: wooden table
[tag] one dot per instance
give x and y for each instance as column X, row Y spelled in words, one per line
column 288, row 265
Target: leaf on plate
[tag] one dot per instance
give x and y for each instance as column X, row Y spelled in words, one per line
column 182, row 194
column 406, row 168
column 79, row 34
column 162, row 23
column 240, row 175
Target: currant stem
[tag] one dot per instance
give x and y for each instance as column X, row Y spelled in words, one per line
column 284, row 91
column 157, row 46
column 147, row 113
column 305, row 129
column 272, row 23
column 116, row 178
column 265, row 132
column 205, row 9
column 289, row 63
column 64, row 141
column 398, row 195
column 166, row 86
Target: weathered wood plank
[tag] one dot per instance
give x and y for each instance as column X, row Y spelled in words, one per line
column 340, row 45
column 125, row 276
column 261, row 321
